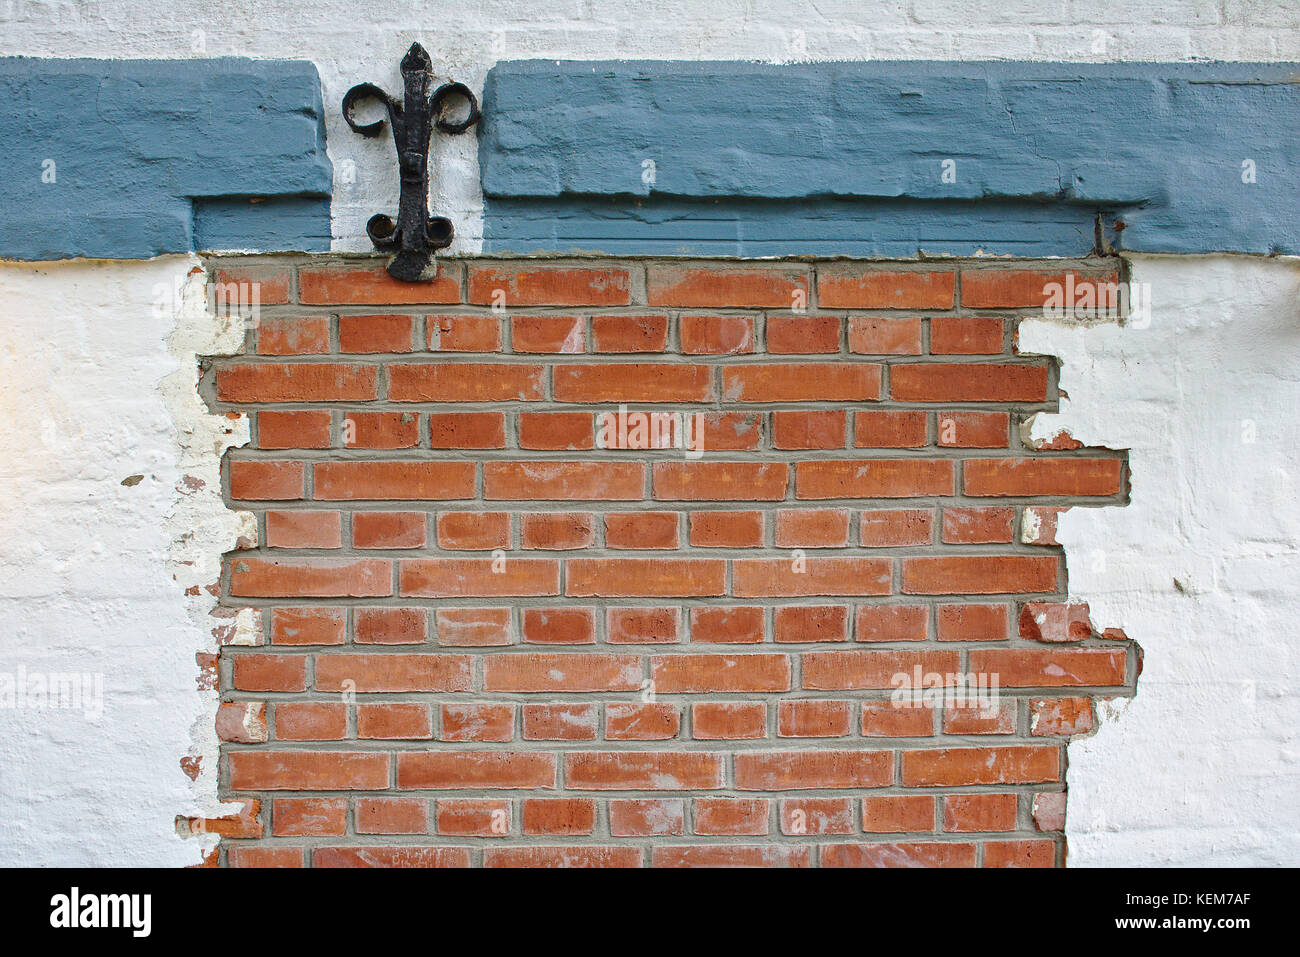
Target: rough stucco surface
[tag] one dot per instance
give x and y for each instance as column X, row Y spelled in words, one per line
column 98, row 384
column 1199, row 569
column 1199, row 769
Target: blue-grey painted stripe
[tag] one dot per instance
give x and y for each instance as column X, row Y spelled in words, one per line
column 762, row 159
column 160, row 156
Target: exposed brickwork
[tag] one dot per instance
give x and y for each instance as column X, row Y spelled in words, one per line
column 501, row 631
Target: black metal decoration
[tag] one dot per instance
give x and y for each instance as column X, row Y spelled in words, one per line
column 416, row 234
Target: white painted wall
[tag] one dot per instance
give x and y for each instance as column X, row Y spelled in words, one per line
column 97, row 385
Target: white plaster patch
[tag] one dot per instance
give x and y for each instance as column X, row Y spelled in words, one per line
column 1199, row 569
column 102, row 530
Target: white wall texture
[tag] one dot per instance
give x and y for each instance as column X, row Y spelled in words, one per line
column 97, row 384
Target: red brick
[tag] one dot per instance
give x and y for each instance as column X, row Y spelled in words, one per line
column 881, row 719
column 473, row 530
column 727, row 625
column 867, row 287
column 1049, row 811
column 307, row 817
column 643, row 626
column 640, row 817
column 978, row 526
column 472, row 770
column 779, row 577
column 308, row 626
column 473, row 817
column 559, row 626
column 548, row 286
column 263, row 672
column 717, row 335
column 777, row 286
column 708, row 674
column 891, row 429
column 466, row 382
column 273, row 286
column 372, row 286
column 959, row 767
column 388, row 529
column 870, row 670
column 412, row 480
column 561, row 672
column 906, row 854
column 242, row 721
column 800, row 770
column 1021, row 288
column 266, row 481
column 633, row 382
column 463, row 333
column 807, row 623
column 555, row 430
column 307, row 770
column 874, row 478
column 729, row 721
column 726, row 529
column 390, row 626
column 311, row 721
column 814, row 719
column 973, row 623
column 293, row 430
column 812, row 528
column 560, row 722
column 812, row 815
column 554, row 481
column 822, row 429
column 731, row 817
column 645, row 577
column 554, row 334
column 255, row 856
column 473, row 627
column 381, row 430
column 405, row 855
column 803, row 334
column 892, row 623
column 648, row 333
column 1055, row 476
column 641, row 530
column 478, row 578
column 885, row 528
column 968, row 382
column 1052, row 716
column 873, row 336
column 910, row 813
column 304, row 529
column 383, row 333
column 559, row 816
column 802, row 382
column 392, row 816
column 988, row 717
column 720, row 481
column 393, row 673
column 566, row 856
column 1020, row 854
column 641, row 722
column 395, row 721
column 299, row 335
column 296, row 382
column 732, row 855
column 973, row 430
column 965, row 335
column 1051, row 667
column 317, row 578
column 1055, row 621
column 467, row 430
column 980, row 575
column 477, row 722
column 642, row 771
column 557, row 530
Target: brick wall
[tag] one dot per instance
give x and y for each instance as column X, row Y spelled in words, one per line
column 498, row 630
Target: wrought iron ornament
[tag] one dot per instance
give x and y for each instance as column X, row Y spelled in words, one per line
column 416, row 234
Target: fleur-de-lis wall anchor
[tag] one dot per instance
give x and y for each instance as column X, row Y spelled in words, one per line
column 416, row 234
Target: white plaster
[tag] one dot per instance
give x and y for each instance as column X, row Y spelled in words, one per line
column 1200, row 568
column 98, row 384
column 351, row 41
